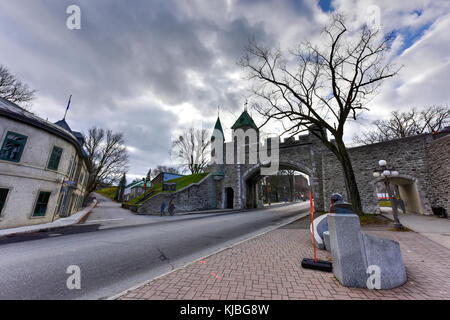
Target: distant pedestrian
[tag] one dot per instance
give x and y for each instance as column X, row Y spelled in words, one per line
column 394, row 203
column 171, row 208
column 401, row 203
column 163, row 206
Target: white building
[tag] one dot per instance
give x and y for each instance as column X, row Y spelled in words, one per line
column 43, row 172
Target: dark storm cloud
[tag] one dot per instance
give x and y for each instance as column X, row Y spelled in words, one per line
column 135, row 65
column 124, row 51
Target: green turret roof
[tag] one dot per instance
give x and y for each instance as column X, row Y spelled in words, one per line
column 218, row 126
column 244, row 121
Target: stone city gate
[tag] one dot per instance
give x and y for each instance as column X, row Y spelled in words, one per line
column 239, row 181
column 422, row 161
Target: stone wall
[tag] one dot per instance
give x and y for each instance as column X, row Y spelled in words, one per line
column 197, row 196
column 439, row 158
column 407, row 155
column 422, row 161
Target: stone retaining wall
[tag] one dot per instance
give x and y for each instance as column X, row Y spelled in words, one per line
column 197, row 196
column 410, row 156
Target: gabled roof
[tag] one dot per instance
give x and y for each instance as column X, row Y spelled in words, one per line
column 131, row 184
column 244, row 121
column 139, row 183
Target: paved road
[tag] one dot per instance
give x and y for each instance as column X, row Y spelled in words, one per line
column 114, row 259
column 109, row 214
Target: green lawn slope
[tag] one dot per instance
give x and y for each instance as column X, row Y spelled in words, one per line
column 181, row 183
column 108, row 192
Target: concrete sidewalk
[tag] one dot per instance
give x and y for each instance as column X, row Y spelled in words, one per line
column 269, row 267
column 61, row 222
column 432, row 227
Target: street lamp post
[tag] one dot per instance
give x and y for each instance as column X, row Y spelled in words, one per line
column 386, row 173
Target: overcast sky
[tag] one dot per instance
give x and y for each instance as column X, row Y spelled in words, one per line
column 150, row 67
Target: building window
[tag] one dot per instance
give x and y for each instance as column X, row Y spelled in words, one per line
column 59, row 203
column 70, row 165
column 74, row 169
column 80, row 201
column 55, row 157
column 3, row 196
column 41, row 204
column 13, row 147
column 86, row 178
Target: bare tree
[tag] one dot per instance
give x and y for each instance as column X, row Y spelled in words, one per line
column 290, row 173
column 13, row 89
column 321, row 86
column 406, row 124
column 191, row 149
column 274, row 187
column 107, row 157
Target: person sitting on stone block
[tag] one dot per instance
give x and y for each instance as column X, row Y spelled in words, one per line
column 338, row 205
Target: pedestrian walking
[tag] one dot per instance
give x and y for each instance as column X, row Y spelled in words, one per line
column 163, row 206
column 171, row 208
column 401, row 204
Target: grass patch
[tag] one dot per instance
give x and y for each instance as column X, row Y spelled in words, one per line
column 181, row 183
column 108, row 192
column 385, row 203
column 368, row 219
column 188, row 180
column 403, row 229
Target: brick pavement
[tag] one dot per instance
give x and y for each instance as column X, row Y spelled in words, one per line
column 269, row 267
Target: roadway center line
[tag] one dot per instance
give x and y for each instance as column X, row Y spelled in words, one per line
column 104, row 220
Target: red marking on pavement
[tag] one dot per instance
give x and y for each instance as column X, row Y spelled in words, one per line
column 212, row 273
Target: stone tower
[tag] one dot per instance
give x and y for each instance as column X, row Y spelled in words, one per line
column 245, row 123
column 218, row 141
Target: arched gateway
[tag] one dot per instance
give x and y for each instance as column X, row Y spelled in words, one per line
column 253, row 175
column 302, row 154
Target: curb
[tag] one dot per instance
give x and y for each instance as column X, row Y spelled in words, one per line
column 186, row 213
column 298, row 217
column 50, row 227
column 84, row 217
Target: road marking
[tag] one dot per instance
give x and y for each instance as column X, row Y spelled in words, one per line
column 104, row 220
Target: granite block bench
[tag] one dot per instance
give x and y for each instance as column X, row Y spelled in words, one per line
column 361, row 260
